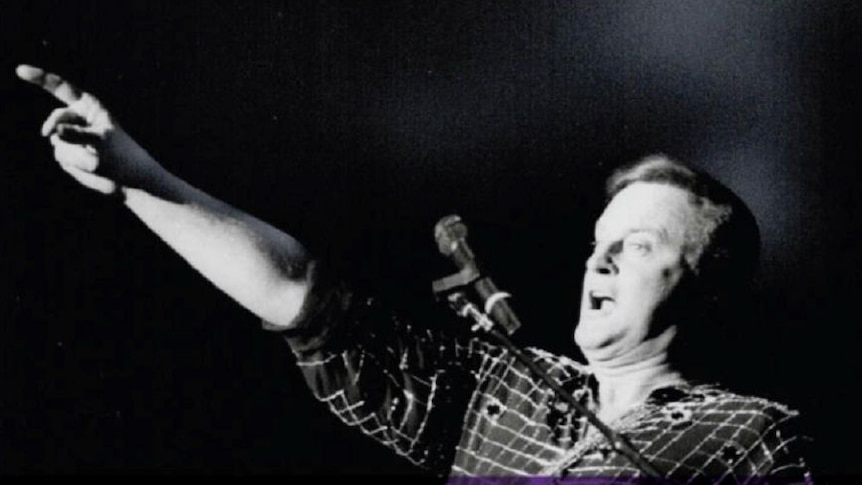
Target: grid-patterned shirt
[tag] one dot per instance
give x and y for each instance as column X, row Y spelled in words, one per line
column 465, row 407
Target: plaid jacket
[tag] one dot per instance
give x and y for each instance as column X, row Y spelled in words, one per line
column 467, row 408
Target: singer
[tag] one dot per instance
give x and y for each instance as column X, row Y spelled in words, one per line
column 673, row 250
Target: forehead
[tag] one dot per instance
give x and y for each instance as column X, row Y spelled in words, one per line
column 647, row 205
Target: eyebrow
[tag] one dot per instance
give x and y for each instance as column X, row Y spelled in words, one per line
column 662, row 233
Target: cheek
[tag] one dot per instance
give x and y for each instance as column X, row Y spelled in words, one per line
column 668, row 280
column 651, row 288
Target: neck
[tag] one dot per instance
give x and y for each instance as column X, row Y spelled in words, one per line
column 623, row 386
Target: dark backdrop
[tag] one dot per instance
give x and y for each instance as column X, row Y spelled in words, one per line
column 357, row 128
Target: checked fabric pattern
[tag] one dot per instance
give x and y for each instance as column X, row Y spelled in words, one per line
column 466, row 408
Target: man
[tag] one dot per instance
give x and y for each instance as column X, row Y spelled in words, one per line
column 671, row 247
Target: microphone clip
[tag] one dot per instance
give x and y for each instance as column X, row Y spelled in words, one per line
column 448, row 288
column 447, row 284
column 467, row 309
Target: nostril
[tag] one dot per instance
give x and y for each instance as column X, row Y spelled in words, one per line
column 601, row 260
column 600, row 264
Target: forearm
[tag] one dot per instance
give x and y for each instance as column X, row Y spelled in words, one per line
column 262, row 268
column 259, row 266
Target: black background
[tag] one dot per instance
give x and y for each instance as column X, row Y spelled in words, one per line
column 356, row 128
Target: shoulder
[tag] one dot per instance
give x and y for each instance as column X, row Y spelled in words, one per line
column 750, row 421
column 561, row 367
column 750, row 435
column 711, row 398
column 708, row 411
column 750, row 415
column 554, row 360
column 502, row 364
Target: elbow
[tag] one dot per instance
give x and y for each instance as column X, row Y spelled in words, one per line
column 283, row 305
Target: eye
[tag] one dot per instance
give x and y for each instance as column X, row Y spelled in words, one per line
column 638, row 246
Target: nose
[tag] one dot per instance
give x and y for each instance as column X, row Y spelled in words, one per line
column 601, row 261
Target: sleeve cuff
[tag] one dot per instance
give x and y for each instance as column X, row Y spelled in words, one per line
column 323, row 313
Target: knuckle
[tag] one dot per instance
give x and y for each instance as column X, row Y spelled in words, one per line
column 88, row 99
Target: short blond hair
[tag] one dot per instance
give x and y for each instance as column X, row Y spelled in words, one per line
column 723, row 246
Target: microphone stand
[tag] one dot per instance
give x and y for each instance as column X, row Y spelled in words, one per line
column 465, row 308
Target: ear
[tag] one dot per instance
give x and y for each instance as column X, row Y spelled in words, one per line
column 683, row 305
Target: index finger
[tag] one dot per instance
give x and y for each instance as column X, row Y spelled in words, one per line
column 54, row 84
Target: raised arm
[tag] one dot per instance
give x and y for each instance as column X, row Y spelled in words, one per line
column 265, row 270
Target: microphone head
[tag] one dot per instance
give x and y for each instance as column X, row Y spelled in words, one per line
column 448, row 233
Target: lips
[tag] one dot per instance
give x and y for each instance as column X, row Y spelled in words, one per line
column 600, row 301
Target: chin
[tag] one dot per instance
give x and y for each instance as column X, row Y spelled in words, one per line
column 590, row 337
column 599, row 353
column 600, row 338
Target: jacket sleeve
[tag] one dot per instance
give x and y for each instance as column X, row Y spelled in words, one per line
column 408, row 388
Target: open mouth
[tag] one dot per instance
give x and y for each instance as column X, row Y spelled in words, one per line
column 600, row 301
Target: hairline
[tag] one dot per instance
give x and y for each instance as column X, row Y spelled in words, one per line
column 700, row 232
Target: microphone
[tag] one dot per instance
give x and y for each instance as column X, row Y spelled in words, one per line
column 451, row 236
